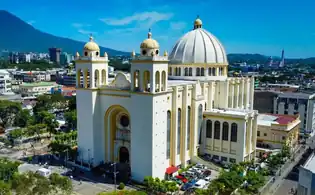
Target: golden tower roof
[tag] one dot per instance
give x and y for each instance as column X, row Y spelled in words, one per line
column 149, row 43
column 91, row 45
column 197, row 23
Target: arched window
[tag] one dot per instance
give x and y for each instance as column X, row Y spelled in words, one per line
column 213, row 71
column 103, row 77
column 79, row 78
column 179, row 71
column 176, row 71
column 198, row 72
column 170, row 71
column 168, row 135
column 163, row 86
column 190, row 71
column 202, row 72
column 220, row 71
column 225, row 131
column 205, row 106
column 209, row 71
column 209, row 129
column 200, row 111
column 179, row 126
column 234, row 132
column 188, row 127
column 157, row 81
column 146, row 81
column 186, row 72
column 86, row 78
column 136, row 80
column 97, row 78
column 217, row 130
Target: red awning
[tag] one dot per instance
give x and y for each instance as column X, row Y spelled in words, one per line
column 171, row 170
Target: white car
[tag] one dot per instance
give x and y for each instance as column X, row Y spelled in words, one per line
column 200, row 184
column 207, row 179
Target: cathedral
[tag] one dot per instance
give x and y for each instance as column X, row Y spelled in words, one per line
column 168, row 110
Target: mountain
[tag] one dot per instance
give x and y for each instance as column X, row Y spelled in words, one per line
column 17, row 35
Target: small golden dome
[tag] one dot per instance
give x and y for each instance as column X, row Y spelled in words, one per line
column 133, row 53
column 165, row 53
column 197, row 23
column 77, row 54
column 105, row 54
column 149, row 43
column 91, row 45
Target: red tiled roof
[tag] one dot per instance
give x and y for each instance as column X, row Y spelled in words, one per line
column 284, row 119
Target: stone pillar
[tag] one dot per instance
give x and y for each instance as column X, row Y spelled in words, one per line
column 237, row 93
column 241, row 95
column 210, row 95
column 232, row 94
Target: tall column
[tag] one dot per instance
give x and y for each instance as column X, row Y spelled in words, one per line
column 237, row 93
column 232, row 94
column 152, row 82
column 210, row 95
column 254, row 133
column 241, row 95
column 252, row 90
column 247, row 93
column 227, row 93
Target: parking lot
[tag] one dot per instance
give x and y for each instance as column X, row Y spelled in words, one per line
column 196, row 177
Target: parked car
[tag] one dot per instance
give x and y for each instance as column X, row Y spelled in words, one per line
column 200, row 184
column 215, row 160
column 187, row 186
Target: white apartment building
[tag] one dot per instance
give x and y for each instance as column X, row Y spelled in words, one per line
column 5, row 82
column 294, row 103
column 36, row 88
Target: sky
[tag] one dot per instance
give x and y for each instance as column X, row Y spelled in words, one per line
column 242, row 26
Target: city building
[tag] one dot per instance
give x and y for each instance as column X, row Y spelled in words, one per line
column 264, row 100
column 301, row 103
column 274, row 131
column 36, row 88
column 17, row 57
column 169, row 110
column 65, row 58
column 5, row 82
column 306, row 184
column 54, row 54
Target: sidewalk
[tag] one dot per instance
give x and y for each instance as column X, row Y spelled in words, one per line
column 285, row 170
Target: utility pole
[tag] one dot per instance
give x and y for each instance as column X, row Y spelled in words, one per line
column 115, row 173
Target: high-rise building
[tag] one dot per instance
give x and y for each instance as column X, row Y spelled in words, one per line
column 54, row 54
column 281, row 64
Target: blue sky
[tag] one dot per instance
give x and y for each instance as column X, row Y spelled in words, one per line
column 243, row 26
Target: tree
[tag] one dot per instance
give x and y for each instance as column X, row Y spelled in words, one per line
column 255, row 181
column 72, row 103
column 49, row 119
column 5, row 188
column 61, row 182
column 71, row 118
column 23, row 118
column 8, row 112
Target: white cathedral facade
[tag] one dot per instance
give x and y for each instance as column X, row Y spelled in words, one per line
column 170, row 108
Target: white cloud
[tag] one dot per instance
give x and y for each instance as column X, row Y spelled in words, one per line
column 177, row 25
column 86, row 32
column 31, row 22
column 149, row 18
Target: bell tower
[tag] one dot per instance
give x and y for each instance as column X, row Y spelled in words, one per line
column 91, row 67
column 149, row 70
column 91, row 70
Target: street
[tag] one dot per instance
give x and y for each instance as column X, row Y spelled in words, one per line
column 289, row 176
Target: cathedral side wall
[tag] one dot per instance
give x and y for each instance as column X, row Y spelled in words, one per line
column 141, row 154
column 85, row 110
column 159, row 136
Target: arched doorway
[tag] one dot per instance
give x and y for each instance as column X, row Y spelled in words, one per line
column 123, row 155
column 117, row 132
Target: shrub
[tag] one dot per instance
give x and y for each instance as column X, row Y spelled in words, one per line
column 121, row 186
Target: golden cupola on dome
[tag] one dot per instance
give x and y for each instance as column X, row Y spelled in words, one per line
column 197, row 23
column 149, row 43
column 91, row 45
